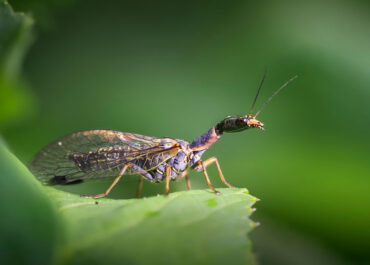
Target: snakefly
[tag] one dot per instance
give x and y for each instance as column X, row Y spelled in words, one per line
column 106, row 153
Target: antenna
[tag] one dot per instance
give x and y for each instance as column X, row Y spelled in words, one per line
column 274, row 94
column 258, row 92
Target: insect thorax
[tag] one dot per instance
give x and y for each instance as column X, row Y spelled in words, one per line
column 202, row 144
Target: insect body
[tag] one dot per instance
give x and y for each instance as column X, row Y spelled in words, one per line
column 105, row 153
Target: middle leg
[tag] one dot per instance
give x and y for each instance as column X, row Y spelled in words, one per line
column 186, row 175
column 140, row 186
column 187, row 179
column 168, row 178
column 143, row 174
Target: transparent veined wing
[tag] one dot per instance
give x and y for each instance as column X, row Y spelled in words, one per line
column 99, row 153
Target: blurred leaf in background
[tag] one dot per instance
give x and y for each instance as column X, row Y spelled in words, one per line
column 175, row 69
column 16, row 101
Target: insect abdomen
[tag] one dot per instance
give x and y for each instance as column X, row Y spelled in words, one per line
column 178, row 164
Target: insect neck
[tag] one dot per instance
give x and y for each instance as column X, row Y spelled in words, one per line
column 205, row 141
column 202, row 144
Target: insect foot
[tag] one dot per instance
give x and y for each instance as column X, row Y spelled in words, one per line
column 93, row 196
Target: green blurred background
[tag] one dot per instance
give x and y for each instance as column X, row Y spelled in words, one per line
column 176, row 68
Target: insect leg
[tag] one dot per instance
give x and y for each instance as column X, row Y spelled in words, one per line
column 111, row 186
column 214, row 160
column 200, row 162
column 168, row 177
column 186, row 174
column 140, row 186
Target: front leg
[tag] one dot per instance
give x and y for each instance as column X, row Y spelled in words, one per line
column 203, row 166
column 214, row 160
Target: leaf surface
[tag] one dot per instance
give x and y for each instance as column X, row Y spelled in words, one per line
column 189, row 227
column 29, row 226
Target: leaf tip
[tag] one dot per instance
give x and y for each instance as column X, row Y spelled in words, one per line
column 255, row 224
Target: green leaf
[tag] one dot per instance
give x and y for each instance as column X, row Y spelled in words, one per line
column 29, row 229
column 15, row 37
column 50, row 226
column 190, row 227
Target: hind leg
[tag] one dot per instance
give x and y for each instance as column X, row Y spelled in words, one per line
column 134, row 168
column 111, row 186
